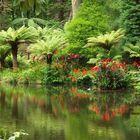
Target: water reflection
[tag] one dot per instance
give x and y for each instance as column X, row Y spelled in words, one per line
column 69, row 113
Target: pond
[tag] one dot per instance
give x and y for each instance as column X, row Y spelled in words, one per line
column 61, row 113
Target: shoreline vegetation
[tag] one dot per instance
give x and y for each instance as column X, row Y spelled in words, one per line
column 92, row 48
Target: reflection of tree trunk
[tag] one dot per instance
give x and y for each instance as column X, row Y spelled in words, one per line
column 14, row 54
column 49, row 104
column 2, row 99
column 15, row 106
column 42, row 104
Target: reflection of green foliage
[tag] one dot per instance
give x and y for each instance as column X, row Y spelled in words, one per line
column 132, row 125
column 41, row 111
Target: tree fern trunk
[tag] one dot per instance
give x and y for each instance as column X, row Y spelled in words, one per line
column 14, row 54
column 49, row 59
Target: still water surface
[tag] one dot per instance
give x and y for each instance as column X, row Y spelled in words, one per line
column 59, row 113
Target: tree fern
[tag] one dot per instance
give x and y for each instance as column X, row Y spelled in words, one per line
column 107, row 40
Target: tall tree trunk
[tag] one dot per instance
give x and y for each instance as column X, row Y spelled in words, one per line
column 14, row 54
column 75, row 7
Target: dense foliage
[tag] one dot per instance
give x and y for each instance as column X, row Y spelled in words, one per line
column 130, row 20
column 89, row 21
column 69, row 42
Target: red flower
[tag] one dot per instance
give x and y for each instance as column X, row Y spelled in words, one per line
column 76, row 71
column 102, row 61
column 49, row 56
column 135, row 63
column 62, row 57
column 102, row 117
column 84, row 72
column 94, row 69
column 55, row 52
column 113, row 114
column 107, row 117
column 107, row 60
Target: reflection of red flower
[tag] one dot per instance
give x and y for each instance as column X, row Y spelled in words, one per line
column 102, row 117
column 73, row 89
column 109, row 113
column 81, row 96
column 123, row 109
column 107, row 118
column 113, row 114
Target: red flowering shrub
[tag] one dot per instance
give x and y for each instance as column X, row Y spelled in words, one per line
column 112, row 75
column 107, row 74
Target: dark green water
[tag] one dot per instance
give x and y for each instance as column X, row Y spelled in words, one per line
column 58, row 113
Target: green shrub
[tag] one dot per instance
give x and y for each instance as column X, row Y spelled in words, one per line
column 31, row 75
column 9, row 76
column 26, row 76
column 85, row 80
column 91, row 20
column 52, row 75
